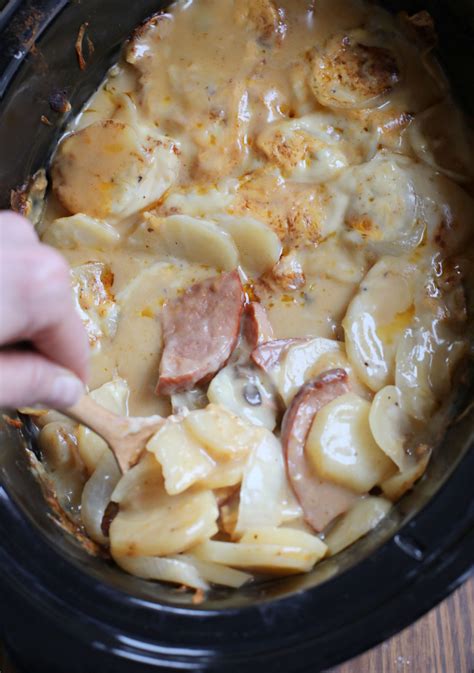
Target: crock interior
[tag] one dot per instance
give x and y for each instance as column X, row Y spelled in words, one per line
column 25, row 145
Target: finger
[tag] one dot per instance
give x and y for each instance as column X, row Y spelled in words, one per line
column 37, row 305
column 28, row 378
column 15, row 229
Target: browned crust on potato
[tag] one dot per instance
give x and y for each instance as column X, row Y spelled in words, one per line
column 364, row 71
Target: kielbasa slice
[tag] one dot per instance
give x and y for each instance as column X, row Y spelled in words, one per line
column 257, row 328
column 200, row 331
column 321, row 501
column 267, row 355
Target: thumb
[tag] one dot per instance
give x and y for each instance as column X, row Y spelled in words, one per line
column 28, row 378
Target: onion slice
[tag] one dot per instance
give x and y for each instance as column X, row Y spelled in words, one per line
column 96, row 496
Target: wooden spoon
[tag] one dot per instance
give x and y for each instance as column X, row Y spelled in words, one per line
column 126, row 437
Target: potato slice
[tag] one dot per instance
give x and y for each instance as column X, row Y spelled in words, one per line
column 244, row 392
column 258, row 245
column 81, row 231
column 188, row 238
column 58, row 445
column 286, row 537
column 266, row 558
column 152, row 523
column 263, row 486
column 183, row 459
column 223, row 434
column 298, row 364
column 216, row 573
column 354, row 69
column 174, row 570
column 425, row 361
column 112, row 170
column 360, row 520
column 341, row 448
column 226, row 473
column 113, row 396
column 374, row 326
column 339, row 360
column 317, row 146
column 444, row 147
column 95, row 302
column 391, row 426
column 383, row 208
column 400, row 483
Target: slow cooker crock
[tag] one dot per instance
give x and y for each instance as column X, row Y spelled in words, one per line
column 64, row 611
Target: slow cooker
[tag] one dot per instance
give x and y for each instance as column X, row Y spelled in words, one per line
column 65, row 611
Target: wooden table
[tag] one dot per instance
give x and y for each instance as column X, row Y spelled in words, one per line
column 440, row 642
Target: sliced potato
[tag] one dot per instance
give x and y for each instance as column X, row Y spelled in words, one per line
column 258, row 245
column 354, row 69
column 183, row 459
column 400, row 483
column 175, row 570
column 339, row 360
column 341, row 448
column 113, row 396
column 223, row 434
column 360, row 520
column 95, row 302
column 425, row 361
column 190, row 400
column 217, row 573
column 188, row 238
column 152, row 523
column 298, row 363
column 259, row 557
column 317, row 146
column 391, row 426
column 444, row 147
column 374, row 326
column 291, row 509
column 244, row 392
column 263, row 486
column 81, row 231
column 382, row 210
column 58, row 445
column 111, row 170
column 226, row 473
column 286, row 537
column 203, row 200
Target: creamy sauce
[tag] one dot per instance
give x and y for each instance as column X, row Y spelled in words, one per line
column 300, row 142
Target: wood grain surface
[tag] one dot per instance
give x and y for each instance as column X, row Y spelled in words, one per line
column 440, row 642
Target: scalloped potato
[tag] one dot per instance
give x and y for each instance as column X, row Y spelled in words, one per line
column 270, row 234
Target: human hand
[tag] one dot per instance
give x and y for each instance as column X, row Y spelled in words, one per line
column 36, row 307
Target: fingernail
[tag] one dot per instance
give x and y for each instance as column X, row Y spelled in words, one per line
column 67, row 390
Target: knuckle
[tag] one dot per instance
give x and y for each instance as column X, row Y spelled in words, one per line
column 11, row 222
column 55, row 265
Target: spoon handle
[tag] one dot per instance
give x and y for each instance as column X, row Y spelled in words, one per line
column 106, row 424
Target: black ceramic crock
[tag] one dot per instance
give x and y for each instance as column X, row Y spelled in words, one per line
column 63, row 611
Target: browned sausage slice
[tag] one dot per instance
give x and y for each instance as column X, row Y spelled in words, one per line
column 267, row 355
column 257, row 328
column 321, row 501
column 200, row 331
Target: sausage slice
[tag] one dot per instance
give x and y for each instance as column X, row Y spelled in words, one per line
column 257, row 328
column 321, row 501
column 267, row 355
column 200, row 331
